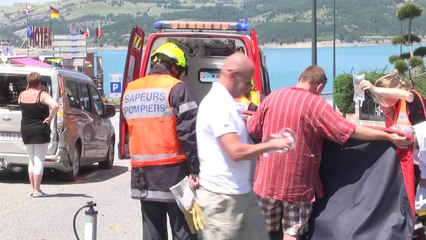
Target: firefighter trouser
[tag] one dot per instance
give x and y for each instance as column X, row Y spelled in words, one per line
column 154, row 221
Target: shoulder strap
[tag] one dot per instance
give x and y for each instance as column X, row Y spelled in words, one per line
column 38, row 97
column 422, row 100
column 19, row 97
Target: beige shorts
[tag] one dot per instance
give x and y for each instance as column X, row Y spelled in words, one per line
column 231, row 216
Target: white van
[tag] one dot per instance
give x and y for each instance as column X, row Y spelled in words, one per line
column 81, row 133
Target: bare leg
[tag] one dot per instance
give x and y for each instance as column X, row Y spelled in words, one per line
column 31, row 177
column 37, row 182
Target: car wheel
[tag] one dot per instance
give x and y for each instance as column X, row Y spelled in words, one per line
column 109, row 159
column 73, row 174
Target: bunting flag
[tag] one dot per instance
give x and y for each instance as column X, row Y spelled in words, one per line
column 54, row 13
column 98, row 32
column 368, row 193
column 85, row 32
column 28, row 9
column 29, row 31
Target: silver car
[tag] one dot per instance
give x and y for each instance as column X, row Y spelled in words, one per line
column 81, row 133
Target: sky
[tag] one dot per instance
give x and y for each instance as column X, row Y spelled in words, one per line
column 11, row 2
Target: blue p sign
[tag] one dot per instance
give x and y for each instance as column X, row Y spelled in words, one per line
column 115, row 87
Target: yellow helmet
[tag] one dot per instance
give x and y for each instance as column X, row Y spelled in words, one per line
column 173, row 52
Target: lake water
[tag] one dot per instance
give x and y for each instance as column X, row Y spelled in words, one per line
column 285, row 65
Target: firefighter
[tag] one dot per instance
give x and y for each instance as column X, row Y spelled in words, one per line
column 245, row 105
column 249, row 101
column 161, row 114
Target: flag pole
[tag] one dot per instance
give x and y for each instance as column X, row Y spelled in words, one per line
column 51, row 30
column 28, row 40
column 26, row 30
column 314, row 32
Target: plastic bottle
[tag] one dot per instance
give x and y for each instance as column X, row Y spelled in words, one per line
column 359, row 95
column 283, row 133
column 403, row 128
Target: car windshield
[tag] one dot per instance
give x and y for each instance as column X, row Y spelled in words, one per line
column 12, row 85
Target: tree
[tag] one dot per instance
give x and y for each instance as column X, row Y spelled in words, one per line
column 408, row 63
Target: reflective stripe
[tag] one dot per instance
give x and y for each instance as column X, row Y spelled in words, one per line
column 403, row 119
column 187, row 106
column 242, row 103
column 242, row 106
column 150, row 194
column 146, row 103
column 401, row 115
column 153, row 157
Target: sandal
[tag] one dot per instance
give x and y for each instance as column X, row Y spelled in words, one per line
column 39, row 194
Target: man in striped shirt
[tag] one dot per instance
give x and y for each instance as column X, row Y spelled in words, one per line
column 288, row 183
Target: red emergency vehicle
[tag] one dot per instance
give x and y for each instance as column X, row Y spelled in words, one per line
column 206, row 45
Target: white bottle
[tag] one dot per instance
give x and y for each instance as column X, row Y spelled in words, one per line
column 283, row 133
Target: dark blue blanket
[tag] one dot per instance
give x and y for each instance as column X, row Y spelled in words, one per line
column 365, row 194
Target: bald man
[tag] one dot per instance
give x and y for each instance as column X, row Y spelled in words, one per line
column 225, row 195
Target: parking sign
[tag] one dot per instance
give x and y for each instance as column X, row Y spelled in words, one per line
column 115, row 87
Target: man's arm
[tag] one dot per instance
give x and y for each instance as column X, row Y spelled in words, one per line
column 338, row 129
column 238, row 151
column 370, row 134
column 185, row 109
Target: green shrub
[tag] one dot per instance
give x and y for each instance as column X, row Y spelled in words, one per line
column 343, row 93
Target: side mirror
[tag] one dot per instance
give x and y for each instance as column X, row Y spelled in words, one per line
column 109, row 110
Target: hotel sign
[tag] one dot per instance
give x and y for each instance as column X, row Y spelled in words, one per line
column 41, row 37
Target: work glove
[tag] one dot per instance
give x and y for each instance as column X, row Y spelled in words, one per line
column 194, row 218
column 197, row 217
column 186, row 201
column 190, row 221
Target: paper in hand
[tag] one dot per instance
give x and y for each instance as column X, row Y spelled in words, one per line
column 183, row 194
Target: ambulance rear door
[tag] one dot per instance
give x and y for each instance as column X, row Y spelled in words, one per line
column 131, row 72
column 261, row 76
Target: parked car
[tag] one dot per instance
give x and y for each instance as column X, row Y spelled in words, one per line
column 206, row 45
column 81, row 133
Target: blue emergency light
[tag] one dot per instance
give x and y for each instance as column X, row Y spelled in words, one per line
column 240, row 26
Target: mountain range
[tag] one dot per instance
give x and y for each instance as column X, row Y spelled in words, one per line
column 276, row 21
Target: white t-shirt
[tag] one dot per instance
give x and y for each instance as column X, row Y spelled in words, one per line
column 420, row 153
column 218, row 115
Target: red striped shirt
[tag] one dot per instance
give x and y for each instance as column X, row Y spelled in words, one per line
column 294, row 176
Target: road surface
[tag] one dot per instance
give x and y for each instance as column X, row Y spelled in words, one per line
column 51, row 218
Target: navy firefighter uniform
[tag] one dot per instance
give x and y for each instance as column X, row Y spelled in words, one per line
column 161, row 113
